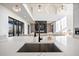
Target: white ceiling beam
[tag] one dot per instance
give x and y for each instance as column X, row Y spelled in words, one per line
column 27, row 9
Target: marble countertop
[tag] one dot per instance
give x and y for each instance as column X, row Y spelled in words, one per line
column 67, row 44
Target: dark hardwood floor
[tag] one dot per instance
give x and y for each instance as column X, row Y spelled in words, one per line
column 39, row 48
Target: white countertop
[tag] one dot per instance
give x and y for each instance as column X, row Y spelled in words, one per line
column 69, row 45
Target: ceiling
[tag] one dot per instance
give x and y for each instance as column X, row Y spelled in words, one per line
column 48, row 12
column 23, row 13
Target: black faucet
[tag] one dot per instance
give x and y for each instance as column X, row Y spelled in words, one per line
column 39, row 34
column 34, row 34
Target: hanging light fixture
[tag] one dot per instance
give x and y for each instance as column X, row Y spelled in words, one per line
column 39, row 8
column 16, row 8
column 62, row 7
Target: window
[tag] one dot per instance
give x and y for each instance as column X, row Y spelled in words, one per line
column 58, row 26
column 61, row 25
column 16, row 27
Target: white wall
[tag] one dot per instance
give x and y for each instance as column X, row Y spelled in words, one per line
column 26, row 28
column 4, row 13
column 76, row 16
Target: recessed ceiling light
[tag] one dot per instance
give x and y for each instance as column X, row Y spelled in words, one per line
column 16, row 8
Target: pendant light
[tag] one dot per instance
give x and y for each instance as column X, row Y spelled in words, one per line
column 16, row 8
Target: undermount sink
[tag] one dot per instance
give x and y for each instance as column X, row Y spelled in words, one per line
column 39, row 48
